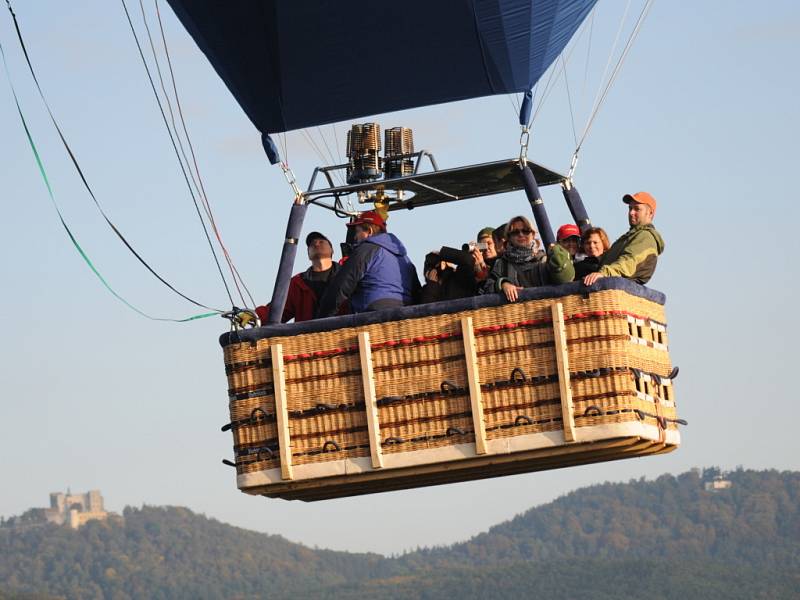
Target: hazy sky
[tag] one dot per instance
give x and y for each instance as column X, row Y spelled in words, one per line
column 704, row 116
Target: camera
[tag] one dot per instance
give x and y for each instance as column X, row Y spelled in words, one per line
column 474, row 246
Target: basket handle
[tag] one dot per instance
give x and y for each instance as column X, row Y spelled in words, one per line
column 255, row 419
column 525, row 418
column 336, row 446
column 448, row 386
column 268, row 451
column 517, row 371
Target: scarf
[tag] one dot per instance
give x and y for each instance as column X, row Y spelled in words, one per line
column 520, row 254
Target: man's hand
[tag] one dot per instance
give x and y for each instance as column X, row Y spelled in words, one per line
column 477, row 258
column 432, row 275
column 511, row 291
column 591, row 278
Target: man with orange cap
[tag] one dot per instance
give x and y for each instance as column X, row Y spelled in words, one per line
column 634, row 255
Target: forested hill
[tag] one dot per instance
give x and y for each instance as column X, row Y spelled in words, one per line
column 755, row 522
column 668, row 538
column 168, row 552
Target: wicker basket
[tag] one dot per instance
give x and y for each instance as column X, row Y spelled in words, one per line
column 538, row 384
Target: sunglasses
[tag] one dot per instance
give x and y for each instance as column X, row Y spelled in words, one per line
column 524, row 231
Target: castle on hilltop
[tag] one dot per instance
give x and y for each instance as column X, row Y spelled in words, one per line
column 75, row 509
column 71, row 510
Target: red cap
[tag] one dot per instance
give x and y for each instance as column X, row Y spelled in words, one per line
column 640, row 198
column 369, row 217
column 568, row 230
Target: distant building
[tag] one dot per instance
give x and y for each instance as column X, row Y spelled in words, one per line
column 71, row 510
column 718, row 483
column 75, row 509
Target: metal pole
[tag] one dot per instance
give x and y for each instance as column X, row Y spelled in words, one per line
column 537, row 205
column 575, row 205
column 279, row 294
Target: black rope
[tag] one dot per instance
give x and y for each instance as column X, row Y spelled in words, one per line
column 177, row 154
column 83, row 177
column 199, row 184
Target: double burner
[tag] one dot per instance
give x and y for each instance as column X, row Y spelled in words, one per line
column 365, row 163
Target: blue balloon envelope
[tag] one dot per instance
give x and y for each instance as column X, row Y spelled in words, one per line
column 295, row 64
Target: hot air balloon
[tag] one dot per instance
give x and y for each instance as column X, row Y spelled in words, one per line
column 443, row 392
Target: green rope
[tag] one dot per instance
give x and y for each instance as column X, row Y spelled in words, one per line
column 74, row 241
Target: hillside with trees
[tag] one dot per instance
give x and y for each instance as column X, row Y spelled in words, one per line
column 667, row 538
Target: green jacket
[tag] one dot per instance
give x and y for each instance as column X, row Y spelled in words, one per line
column 634, row 255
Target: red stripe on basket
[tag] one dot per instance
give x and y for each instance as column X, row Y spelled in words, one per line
column 319, row 354
column 424, row 339
column 510, row 326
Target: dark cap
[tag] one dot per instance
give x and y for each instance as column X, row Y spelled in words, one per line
column 485, row 232
column 316, row 235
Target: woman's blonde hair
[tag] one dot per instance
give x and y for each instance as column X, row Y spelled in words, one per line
column 528, row 225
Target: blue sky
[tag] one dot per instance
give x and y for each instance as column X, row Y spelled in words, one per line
column 93, row 396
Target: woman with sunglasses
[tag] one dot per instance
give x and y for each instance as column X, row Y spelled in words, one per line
column 524, row 264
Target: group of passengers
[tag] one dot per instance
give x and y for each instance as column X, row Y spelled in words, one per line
column 378, row 274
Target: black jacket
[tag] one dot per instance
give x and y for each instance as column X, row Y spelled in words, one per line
column 590, row 264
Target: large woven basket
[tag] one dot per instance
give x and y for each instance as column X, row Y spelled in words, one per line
column 450, row 394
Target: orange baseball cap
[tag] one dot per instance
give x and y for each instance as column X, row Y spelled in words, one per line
column 640, row 198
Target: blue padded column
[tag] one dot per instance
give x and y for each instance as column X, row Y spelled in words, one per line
column 575, row 206
column 537, row 205
column 281, row 290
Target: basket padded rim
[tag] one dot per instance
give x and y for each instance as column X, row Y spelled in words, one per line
column 437, row 308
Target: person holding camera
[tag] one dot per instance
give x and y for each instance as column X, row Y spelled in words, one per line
column 525, row 264
column 484, row 254
column 444, row 280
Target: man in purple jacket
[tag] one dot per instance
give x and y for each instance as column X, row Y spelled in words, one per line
column 377, row 275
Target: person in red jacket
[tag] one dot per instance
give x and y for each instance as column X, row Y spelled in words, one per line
column 306, row 288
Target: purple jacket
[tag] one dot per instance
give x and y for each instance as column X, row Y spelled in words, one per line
column 377, row 275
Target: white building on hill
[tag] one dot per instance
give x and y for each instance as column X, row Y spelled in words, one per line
column 75, row 510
